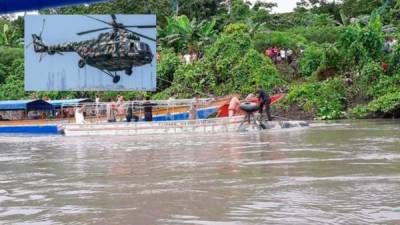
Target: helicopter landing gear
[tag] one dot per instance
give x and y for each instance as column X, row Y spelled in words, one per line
column 81, row 63
column 128, row 71
column 116, row 79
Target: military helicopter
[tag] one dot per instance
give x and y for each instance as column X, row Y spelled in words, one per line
column 117, row 50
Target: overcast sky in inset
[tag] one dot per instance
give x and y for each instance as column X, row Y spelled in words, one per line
column 61, row 72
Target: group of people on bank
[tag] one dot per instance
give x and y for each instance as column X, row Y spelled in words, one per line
column 280, row 54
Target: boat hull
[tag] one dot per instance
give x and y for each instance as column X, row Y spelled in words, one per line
column 217, row 125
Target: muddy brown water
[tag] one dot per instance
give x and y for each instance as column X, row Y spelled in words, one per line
column 337, row 173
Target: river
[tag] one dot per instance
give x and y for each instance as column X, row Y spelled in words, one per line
column 335, row 173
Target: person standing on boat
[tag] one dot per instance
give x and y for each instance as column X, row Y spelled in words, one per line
column 171, row 107
column 234, row 105
column 79, row 117
column 194, row 107
column 148, row 110
column 120, row 107
column 264, row 101
column 110, row 112
column 97, row 101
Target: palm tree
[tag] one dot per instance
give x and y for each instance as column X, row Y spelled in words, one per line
column 183, row 34
column 8, row 37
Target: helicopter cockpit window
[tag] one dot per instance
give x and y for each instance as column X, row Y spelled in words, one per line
column 147, row 47
column 144, row 46
column 141, row 46
column 138, row 46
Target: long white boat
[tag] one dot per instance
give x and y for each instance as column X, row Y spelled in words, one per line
column 215, row 125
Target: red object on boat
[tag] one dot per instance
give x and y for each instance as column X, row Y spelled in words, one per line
column 223, row 111
column 275, row 98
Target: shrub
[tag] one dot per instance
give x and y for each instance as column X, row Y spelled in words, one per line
column 359, row 112
column 311, row 60
column 370, row 74
column 386, row 103
column 320, row 35
column 326, row 99
column 279, row 39
column 166, row 67
column 254, row 69
column 230, row 65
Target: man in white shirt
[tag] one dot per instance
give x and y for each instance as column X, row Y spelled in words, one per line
column 79, row 117
column 283, row 53
column 187, row 57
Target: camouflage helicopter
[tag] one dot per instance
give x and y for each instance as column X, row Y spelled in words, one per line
column 117, row 50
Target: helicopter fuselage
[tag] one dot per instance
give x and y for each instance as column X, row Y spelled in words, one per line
column 104, row 53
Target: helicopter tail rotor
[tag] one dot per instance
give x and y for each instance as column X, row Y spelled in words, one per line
column 38, row 44
column 37, row 37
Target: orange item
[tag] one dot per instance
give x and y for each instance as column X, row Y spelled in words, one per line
column 223, row 111
column 275, row 98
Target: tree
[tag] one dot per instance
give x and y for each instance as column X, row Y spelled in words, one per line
column 8, row 58
column 9, row 37
column 166, row 67
column 162, row 8
column 319, row 7
column 185, row 35
column 261, row 13
column 209, row 9
column 393, row 13
column 354, row 8
column 13, row 87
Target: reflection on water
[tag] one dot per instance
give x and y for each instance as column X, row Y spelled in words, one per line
column 347, row 173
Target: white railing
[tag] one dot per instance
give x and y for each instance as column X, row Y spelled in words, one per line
column 102, row 109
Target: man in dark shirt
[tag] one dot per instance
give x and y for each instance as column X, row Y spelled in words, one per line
column 265, row 102
column 148, row 110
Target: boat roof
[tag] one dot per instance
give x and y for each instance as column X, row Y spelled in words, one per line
column 59, row 103
column 25, row 105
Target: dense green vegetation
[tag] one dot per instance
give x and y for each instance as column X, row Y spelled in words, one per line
column 339, row 67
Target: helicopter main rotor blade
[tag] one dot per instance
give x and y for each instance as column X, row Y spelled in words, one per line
column 141, row 35
column 94, row 18
column 114, row 18
column 143, row 26
column 95, row 30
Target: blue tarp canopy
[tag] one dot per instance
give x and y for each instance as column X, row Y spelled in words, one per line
column 59, row 103
column 28, row 105
column 10, row 6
